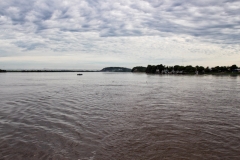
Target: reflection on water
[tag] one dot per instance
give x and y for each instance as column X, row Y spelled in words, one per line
column 101, row 116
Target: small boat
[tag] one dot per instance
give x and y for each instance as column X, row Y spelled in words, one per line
column 79, row 74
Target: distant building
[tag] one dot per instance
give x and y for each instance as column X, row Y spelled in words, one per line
column 165, row 71
column 237, row 70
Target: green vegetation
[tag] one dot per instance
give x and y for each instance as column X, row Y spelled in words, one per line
column 115, row 69
column 177, row 69
column 139, row 69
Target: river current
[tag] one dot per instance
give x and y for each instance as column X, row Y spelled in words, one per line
column 119, row 116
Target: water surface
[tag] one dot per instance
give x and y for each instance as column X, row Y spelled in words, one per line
column 108, row 116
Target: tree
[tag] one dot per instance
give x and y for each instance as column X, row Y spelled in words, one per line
column 181, row 68
column 216, row 69
column 190, row 69
column 233, row 67
column 176, row 68
column 148, row 69
column 160, row 67
column 139, row 69
column 154, row 68
column 201, row 69
column 207, row 70
column 223, row 68
column 170, row 68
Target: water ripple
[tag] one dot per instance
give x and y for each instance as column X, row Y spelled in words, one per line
column 118, row 116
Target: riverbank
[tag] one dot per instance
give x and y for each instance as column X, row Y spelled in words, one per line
column 216, row 74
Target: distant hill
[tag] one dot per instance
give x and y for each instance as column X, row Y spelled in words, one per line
column 2, row 70
column 116, row 69
column 139, row 69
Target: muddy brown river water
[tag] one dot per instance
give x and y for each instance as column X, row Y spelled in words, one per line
column 118, row 116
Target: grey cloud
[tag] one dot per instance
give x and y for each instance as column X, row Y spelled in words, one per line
column 211, row 20
column 29, row 45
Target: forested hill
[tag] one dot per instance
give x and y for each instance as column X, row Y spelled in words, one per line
column 115, row 69
column 139, row 69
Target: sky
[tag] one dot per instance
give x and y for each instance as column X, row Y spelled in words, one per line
column 92, row 34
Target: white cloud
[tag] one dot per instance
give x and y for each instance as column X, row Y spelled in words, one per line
column 153, row 31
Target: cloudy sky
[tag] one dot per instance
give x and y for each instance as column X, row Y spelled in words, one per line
column 91, row 34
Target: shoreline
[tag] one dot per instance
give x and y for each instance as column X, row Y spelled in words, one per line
column 193, row 74
column 58, row 71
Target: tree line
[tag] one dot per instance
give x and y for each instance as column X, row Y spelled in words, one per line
column 2, row 70
column 184, row 69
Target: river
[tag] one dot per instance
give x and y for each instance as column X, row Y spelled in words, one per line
column 119, row 116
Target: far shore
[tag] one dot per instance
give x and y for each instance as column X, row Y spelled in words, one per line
column 52, row 71
column 193, row 74
column 59, row 71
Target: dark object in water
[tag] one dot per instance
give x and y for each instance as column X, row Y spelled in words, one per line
column 79, row 74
